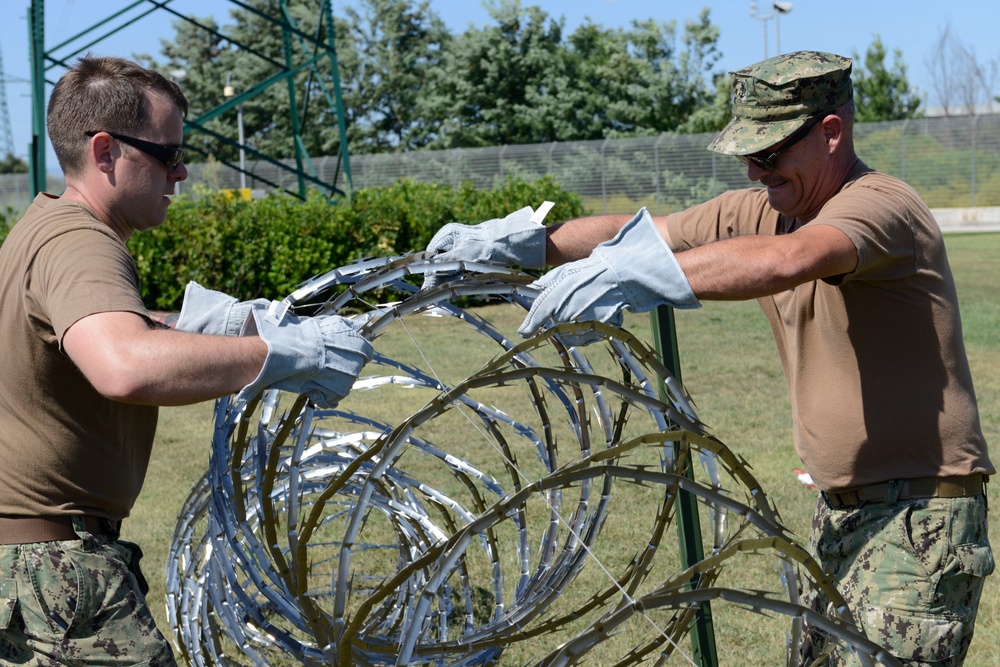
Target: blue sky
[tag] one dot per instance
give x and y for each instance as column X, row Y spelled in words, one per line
column 847, row 27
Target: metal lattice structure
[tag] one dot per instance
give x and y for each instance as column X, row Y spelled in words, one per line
column 6, row 136
column 303, row 53
column 354, row 536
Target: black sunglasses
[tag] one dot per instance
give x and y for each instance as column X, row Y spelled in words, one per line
column 171, row 156
column 770, row 162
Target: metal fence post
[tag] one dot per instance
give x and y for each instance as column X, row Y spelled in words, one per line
column 604, row 180
column 902, row 150
column 703, row 647
column 656, row 170
column 972, row 146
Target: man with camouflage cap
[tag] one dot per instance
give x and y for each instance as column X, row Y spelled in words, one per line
column 841, row 259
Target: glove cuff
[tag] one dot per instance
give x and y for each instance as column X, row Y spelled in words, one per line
column 527, row 246
column 205, row 311
column 648, row 272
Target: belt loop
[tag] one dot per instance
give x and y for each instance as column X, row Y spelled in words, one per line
column 893, row 491
column 81, row 530
column 80, row 527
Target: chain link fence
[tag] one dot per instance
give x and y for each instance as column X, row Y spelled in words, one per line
column 952, row 162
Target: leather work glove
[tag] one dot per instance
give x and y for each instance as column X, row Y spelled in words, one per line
column 517, row 239
column 206, row 311
column 318, row 356
column 635, row 270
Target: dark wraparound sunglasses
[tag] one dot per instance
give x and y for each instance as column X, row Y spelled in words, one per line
column 171, row 156
column 769, row 162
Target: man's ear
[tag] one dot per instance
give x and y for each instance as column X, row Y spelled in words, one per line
column 103, row 152
column 833, row 130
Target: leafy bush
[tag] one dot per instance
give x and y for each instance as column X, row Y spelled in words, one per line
column 7, row 219
column 264, row 248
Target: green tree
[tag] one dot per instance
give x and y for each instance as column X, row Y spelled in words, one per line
column 12, row 164
column 639, row 81
column 383, row 49
column 496, row 85
column 881, row 93
column 519, row 81
column 408, row 83
column 386, row 51
column 713, row 115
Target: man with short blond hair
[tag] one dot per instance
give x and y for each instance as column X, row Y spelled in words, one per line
column 84, row 367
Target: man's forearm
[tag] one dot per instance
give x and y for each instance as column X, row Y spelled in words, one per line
column 130, row 359
column 575, row 239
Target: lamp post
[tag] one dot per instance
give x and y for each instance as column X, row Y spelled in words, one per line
column 777, row 8
column 229, row 91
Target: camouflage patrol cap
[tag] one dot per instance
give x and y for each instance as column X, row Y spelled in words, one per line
column 777, row 96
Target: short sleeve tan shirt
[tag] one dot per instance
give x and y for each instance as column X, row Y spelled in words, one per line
column 874, row 360
column 64, row 447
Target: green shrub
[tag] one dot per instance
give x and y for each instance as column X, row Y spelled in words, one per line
column 7, row 219
column 264, row 248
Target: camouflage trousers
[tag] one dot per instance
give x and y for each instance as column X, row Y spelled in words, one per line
column 76, row 602
column 911, row 571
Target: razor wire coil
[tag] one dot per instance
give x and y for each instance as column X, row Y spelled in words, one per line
column 348, row 537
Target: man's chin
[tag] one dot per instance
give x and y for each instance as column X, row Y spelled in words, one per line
column 777, row 197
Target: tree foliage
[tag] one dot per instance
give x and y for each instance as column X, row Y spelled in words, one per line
column 12, row 164
column 408, row 83
column 881, row 93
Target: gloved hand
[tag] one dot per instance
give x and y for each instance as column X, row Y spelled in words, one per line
column 206, row 311
column 635, row 270
column 517, row 239
column 318, row 356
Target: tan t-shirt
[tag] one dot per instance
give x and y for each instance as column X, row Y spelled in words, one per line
column 874, row 360
column 64, row 448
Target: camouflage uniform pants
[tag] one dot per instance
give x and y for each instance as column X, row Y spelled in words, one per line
column 912, row 572
column 75, row 602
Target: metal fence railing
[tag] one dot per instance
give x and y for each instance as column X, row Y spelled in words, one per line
column 952, row 162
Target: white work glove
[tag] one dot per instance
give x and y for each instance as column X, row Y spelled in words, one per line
column 318, row 356
column 517, row 239
column 635, row 270
column 206, row 311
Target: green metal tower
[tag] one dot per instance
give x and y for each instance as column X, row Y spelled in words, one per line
column 6, row 136
column 303, row 53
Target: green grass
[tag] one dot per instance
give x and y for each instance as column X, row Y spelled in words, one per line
column 731, row 370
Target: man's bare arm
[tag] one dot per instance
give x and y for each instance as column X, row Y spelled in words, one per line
column 748, row 267
column 575, row 239
column 128, row 360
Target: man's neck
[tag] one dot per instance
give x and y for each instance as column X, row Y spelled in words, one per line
column 74, row 192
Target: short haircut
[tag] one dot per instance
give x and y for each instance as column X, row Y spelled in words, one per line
column 105, row 94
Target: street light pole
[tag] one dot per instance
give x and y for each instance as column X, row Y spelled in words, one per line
column 763, row 19
column 229, row 91
column 777, row 8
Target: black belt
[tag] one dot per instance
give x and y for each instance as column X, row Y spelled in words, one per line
column 955, row 486
column 25, row 530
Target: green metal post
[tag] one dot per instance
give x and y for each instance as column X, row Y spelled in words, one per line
column 688, row 521
column 345, row 159
column 36, row 45
column 293, row 109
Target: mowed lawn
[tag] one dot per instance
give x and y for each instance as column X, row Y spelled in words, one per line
column 731, row 370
